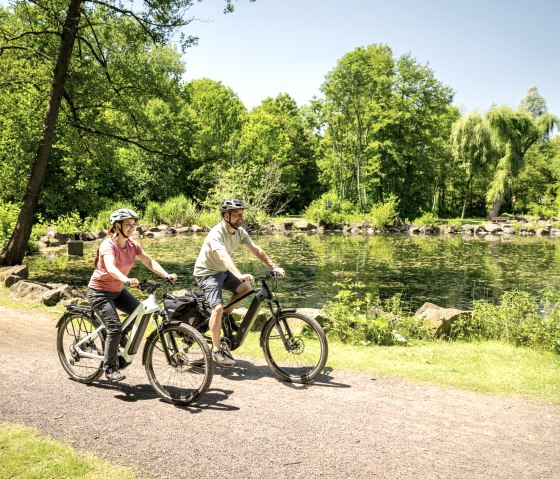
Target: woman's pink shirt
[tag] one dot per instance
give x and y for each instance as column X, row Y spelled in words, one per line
column 124, row 261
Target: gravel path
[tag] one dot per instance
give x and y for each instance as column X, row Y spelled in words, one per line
column 253, row 426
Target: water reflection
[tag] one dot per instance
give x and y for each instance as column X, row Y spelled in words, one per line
column 449, row 271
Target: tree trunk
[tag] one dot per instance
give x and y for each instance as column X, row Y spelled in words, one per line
column 466, row 197
column 14, row 251
column 495, row 210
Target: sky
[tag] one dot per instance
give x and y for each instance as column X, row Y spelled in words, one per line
column 489, row 52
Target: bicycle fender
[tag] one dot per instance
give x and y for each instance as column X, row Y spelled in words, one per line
column 95, row 319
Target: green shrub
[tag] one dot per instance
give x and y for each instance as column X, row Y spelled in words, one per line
column 330, row 209
column 519, row 318
column 69, row 224
column 153, row 214
column 427, row 219
column 207, row 218
column 358, row 318
column 178, row 210
column 383, row 214
column 455, row 223
column 101, row 220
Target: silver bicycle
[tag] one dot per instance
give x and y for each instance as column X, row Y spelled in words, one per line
column 176, row 356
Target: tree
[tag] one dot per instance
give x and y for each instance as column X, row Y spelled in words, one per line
column 387, row 121
column 516, row 132
column 157, row 20
column 471, row 141
column 533, row 103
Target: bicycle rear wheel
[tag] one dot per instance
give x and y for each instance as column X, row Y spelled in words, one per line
column 185, row 375
column 295, row 347
column 72, row 328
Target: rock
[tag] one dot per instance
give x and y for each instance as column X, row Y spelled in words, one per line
column 29, row 290
column 492, row 228
column 288, row 226
column 20, row 270
column 183, row 230
column 51, row 297
column 440, row 319
column 196, row 229
column 11, row 279
column 75, row 247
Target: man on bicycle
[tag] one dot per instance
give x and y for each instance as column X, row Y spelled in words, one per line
column 214, row 269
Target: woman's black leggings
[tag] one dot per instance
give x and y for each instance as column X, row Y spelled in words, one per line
column 106, row 304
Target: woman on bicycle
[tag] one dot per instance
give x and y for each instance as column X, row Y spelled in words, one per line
column 106, row 293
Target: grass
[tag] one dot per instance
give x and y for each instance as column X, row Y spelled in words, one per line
column 487, row 367
column 24, row 454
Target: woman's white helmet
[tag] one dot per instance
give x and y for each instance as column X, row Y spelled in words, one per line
column 121, row 215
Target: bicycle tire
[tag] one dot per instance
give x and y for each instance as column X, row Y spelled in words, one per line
column 306, row 355
column 72, row 328
column 190, row 374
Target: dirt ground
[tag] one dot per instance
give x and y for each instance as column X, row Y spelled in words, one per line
column 250, row 425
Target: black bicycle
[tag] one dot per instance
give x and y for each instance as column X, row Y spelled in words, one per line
column 176, row 356
column 294, row 345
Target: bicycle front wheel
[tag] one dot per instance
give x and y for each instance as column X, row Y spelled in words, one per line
column 178, row 363
column 73, row 328
column 295, row 347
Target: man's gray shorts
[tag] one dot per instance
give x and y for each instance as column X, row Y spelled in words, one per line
column 212, row 286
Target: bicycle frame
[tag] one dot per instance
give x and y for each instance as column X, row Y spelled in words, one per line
column 139, row 318
column 262, row 294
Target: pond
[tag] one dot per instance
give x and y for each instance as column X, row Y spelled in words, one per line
column 450, row 271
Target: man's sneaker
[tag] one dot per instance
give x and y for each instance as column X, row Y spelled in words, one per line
column 223, row 358
column 113, row 374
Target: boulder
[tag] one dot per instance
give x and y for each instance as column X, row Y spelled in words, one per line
column 440, row 319
column 492, row 228
column 11, row 279
column 20, row 270
column 28, row 290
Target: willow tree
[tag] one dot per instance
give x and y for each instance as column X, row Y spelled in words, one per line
column 516, row 132
column 67, row 23
column 472, row 146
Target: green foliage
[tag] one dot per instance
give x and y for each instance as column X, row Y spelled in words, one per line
column 330, row 209
column 384, row 213
column 178, row 210
column 8, row 218
column 427, row 219
column 455, row 223
column 101, row 220
column 208, row 217
column 68, row 224
column 520, row 318
column 357, row 318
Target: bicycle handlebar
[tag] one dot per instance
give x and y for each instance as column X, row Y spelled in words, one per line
column 269, row 275
column 151, row 286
